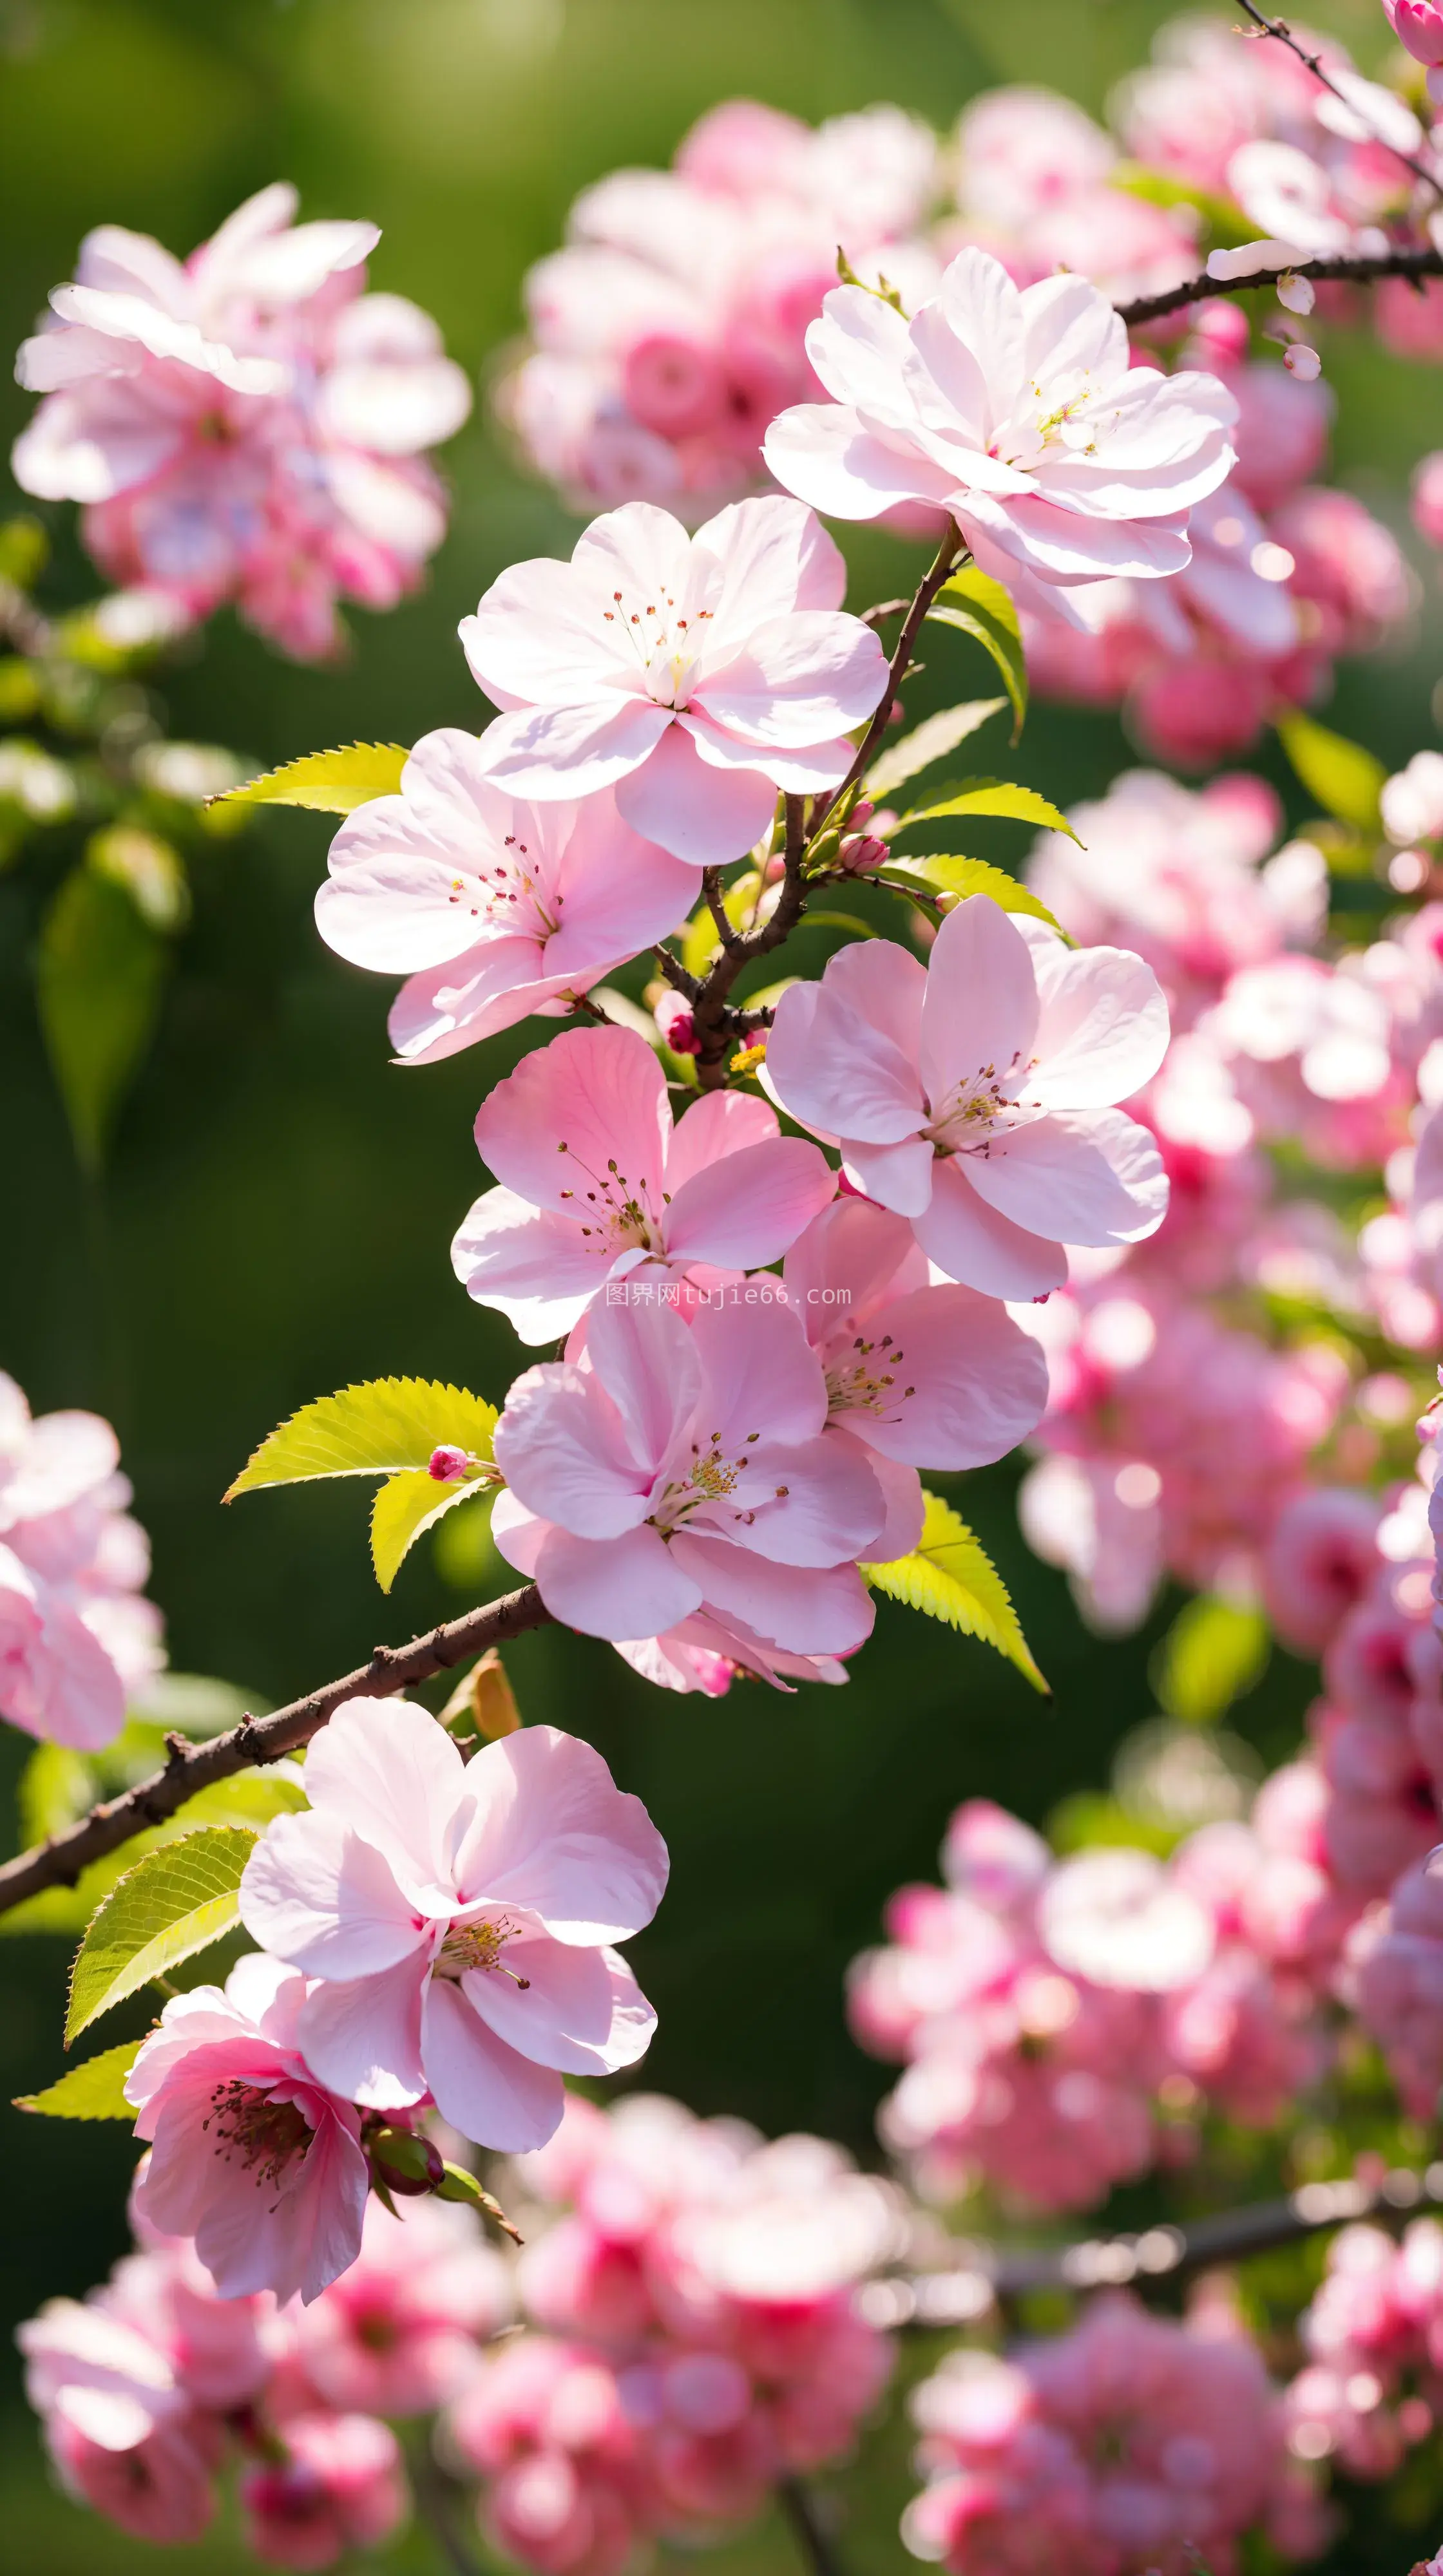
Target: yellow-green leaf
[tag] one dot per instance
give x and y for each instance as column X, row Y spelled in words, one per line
column 405, row 1507
column 699, row 939
column 1346, row 780
column 972, row 876
column 1001, row 798
column 89, row 2092
column 950, row 1576
column 1213, row 1652
column 174, row 1902
column 931, row 741
column 378, row 1429
column 329, row 782
column 983, row 609
column 249, row 1799
column 100, row 977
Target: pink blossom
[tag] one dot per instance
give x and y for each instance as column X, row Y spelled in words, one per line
column 1428, row 497
column 597, row 1183
column 160, row 2489
column 695, row 676
column 930, row 1376
column 397, row 2334
column 674, row 1468
column 1396, row 1983
column 1320, row 1560
column 1418, row 26
column 250, row 2153
column 458, row 1918
column 491, row 907
column 248, row 426
column 340, row 2486
column 973, row 1096
column 961, row 410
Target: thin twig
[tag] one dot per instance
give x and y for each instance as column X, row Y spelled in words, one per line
column 59, row 1862
column 815, row 2542
column 1157, row 2254
column 1282, row 34
column 1416, row 264
column 931, row 582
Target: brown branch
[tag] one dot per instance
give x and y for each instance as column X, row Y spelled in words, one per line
column 189, row 1767
column 1415, row 264
column 717, row 1025
column 813, row 2539
column 1282, row 34
column 988, row 2275
column 931, row 582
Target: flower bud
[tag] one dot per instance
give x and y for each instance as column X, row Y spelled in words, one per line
column 862, row 852
column 404, row 2163
column 485, row 1696
column 672, row 1014
column 447, row 1463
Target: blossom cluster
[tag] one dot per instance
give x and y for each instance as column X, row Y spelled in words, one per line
column 246, row 426
column 76, row 1634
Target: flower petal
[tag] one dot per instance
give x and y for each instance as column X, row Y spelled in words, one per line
column 314, row 1893
column 1102, row 1028
column 489, row 2092
column 362, row 2037
column 979, row 1019
column 387, row 1769
column 975, row 1243
column 700, row 813
column 581, row 1125
column 748, row 1209
column 580, row 2011
column 833, row 1071
column 616, row 1587
column 1097, row 1177
column 535, row 1268
column 554, row 1836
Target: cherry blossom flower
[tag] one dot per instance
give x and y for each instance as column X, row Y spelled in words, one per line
column 250, row 2153
column 458, row 1918
column 597, row 1184
column 339, row 2486
column 695, row 676
column 930, row 1376
column 397, row 2333
column 1018, row 413
column 248, row 425
column 973, row 1096
column 678, row 1467
column 491, row 907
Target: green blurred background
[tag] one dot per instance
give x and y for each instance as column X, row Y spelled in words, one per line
column 275, row 1217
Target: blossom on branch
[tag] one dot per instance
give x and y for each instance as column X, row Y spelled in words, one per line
column 491, row 907
column 248, row 426
column 458, row 1918
column 597, row 1184
column 695, row 676
column 973, row 1096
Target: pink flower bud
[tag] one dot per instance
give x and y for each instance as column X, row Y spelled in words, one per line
column 446, row 1463
column 674, row 1019
column 863, row 852
column 1418, row 26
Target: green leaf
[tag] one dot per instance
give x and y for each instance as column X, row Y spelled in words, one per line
column 405, row 1507
column 329, row 782
column 1346, row 780
column 99, row 978
column 885, row 293
column 378, row 1429
column 983, row 609
column 1156, row 188
column 999, row 797
column 465, row 1555
column 950, row 1576
column 1213, row 1652
column 89, row 2092
column 174, row 1902
column 250, row 1800
column 972, row 876
column 56, row 1786
column 931, row 741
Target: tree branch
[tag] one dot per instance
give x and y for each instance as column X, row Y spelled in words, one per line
column 1163, row 2253
column 189, row 1767
column 897, row 669
column 1415, row 264
column 813, row 2539
column 1282, row 34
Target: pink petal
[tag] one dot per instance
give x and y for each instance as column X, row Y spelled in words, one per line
column 749, row 1209
column 979, row 1019
column 721, row 1122
column 489, row 989
column 616, row 894
column 573, row 750
column 648, row 1362
column 825, row 454
column 640, row 550
column 494, row 2096
column 581, row 2011
column 833, row 1072
column 819, row 1502
column 796, row 770
column 941, row 1378
column 898, row 1177
column 580, row 1125
column 974, row 1242
column 554, row 1836
column 804, row 1609
column 619, row 1587
column 886, row 986
column 1097, row 1177
column 540, row 638
column 386, row 1768
column 701, row 814
column 773, row 556
column 362, row 2037
column 760, row 1373
column 838, row 1271
column 904, row 1501
column 535, row 1268
column 797, row 680
column 314, row 1893
column 1103, row 1029
column 857, row 347
column 564, row 1449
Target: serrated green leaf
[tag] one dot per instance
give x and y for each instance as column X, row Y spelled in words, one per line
column 931, row 741
column 982, row 608
column 379, row 1429
column 329, row 782
column 171, row 1904
column 999, row 798
column 249, row 1799
column 56, row 1786
column 99, row 979
column 1213, row 1652
column 1346, row 780
column 89, row 2092
column 406, row 1507
column 950, row 1576
column 972, row 876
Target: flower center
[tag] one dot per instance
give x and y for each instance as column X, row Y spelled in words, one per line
column 476, row 1947
column 665, row 645
column 978, row 1105
column 616, row 1214
column 504, row 889
column 864, row 1379
column 253, row 2130
column 713, row 1477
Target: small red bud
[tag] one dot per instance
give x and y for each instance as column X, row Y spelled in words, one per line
column 446, row 1463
